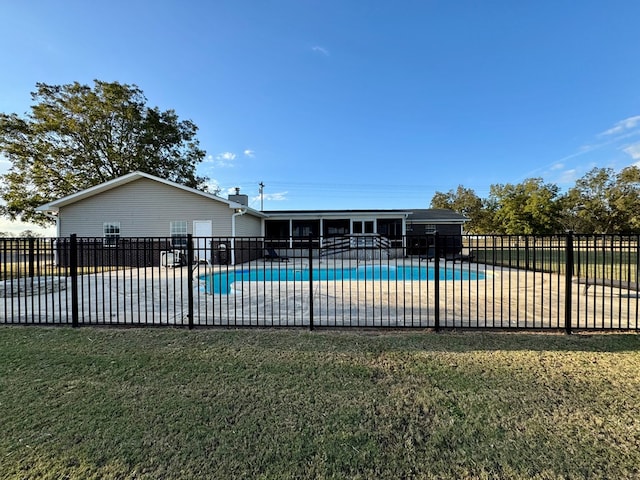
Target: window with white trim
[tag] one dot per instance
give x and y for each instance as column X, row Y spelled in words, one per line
column 429, row 228
column 178, row 231
column 111, row 233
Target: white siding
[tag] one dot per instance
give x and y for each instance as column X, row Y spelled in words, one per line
column 145, row 208
column 248, row 226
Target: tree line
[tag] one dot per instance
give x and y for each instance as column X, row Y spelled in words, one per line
column 602, row 201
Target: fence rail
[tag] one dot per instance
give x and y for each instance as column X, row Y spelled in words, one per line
column 568, row 282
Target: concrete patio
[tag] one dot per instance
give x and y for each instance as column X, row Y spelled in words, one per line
column 159, row 296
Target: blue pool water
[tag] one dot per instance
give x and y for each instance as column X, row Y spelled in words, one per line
column 220, row 282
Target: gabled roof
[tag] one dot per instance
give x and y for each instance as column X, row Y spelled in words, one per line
column 132, row 177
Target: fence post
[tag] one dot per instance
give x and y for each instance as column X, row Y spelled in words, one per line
column 190, row 280
column 436, row 277
column 568, row 282
column 32, row 257
column 310, row 282
column 73, row 272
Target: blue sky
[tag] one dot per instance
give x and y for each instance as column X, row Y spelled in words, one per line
column 356, row 103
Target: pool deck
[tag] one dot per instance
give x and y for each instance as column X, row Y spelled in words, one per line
column 158, row 296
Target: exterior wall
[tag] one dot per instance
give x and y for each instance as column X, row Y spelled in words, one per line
column 145, row 208
column 419, row 228
column 421, row 243
column 248, row 226
column 127, row 253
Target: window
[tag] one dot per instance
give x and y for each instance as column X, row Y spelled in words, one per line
column 111, row 233
column 335, row 228
column 390, row 228
column 429, row 228
column 305, row 228
column 277, row 233
column 178, row 230
column 363, row 226
column 277, row 229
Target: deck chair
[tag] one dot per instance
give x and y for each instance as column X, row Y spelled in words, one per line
column 273, row 255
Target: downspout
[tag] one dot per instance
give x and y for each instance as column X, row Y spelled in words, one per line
column 239, row 211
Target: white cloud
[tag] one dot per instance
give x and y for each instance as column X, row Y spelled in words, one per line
column 227, row 156
column 273, row 197
column 249, row 153
column 568, row 176
column 557, row 166
column 224, row 159
column 320, row 50
column 633, row 151
column 213, row 186
column 622, row 126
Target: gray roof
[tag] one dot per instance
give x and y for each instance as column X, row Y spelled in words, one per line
column 436, row 214
column 337, row 212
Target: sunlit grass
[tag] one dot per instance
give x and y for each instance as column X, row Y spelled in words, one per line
column 612, row 265
column 97, row 403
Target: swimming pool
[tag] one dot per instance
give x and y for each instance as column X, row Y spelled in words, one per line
column 220, row 282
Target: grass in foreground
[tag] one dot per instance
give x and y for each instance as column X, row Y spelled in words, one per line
column 98, row 403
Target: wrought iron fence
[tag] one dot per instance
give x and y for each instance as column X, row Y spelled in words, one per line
column 569, row 282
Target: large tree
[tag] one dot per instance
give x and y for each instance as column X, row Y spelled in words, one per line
column 530, row 207
column 466, row 202
column 603, row 201
column 77, row 136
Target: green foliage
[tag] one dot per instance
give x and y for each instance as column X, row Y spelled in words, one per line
column 466, row 202
column 529, row 207
column 602, row 201
column 605, row 202
column 77, row 136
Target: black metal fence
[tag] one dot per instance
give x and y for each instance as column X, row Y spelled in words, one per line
column 569, row 282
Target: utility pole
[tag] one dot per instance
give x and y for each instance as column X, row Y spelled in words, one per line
column 261, row 196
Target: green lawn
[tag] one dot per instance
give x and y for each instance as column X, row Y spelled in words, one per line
column 108, row 403
column 612, row 265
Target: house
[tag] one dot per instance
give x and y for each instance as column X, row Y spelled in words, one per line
column 142, row 205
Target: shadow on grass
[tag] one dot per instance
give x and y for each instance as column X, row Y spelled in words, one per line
column 444, row 341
